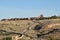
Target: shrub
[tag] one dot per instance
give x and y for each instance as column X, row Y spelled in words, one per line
column 37, row 27
column 7, row 38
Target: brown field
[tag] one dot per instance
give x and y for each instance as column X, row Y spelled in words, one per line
column 50, row 29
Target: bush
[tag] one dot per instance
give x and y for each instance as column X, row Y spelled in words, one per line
column 7, row 38
column 37, row 27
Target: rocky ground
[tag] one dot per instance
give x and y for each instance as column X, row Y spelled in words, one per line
column 31, row 29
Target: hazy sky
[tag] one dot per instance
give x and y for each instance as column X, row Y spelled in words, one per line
column 28, row 8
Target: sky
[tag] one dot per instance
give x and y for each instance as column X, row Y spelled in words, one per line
column 28, row 8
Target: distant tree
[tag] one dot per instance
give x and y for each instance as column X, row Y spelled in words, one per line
column 54, row 17
column 3, row 19
column 32, row 18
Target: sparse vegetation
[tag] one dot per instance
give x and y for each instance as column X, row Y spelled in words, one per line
column 19, row 26
column 7, row 38
column 33, row 18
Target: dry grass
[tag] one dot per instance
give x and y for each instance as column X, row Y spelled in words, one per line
column 21, row 25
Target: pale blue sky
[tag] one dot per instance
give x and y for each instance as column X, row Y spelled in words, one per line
column 28, row 8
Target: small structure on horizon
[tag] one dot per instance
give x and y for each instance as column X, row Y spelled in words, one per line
column 40, row 16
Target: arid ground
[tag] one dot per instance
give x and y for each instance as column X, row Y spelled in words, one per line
column 31, row 29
